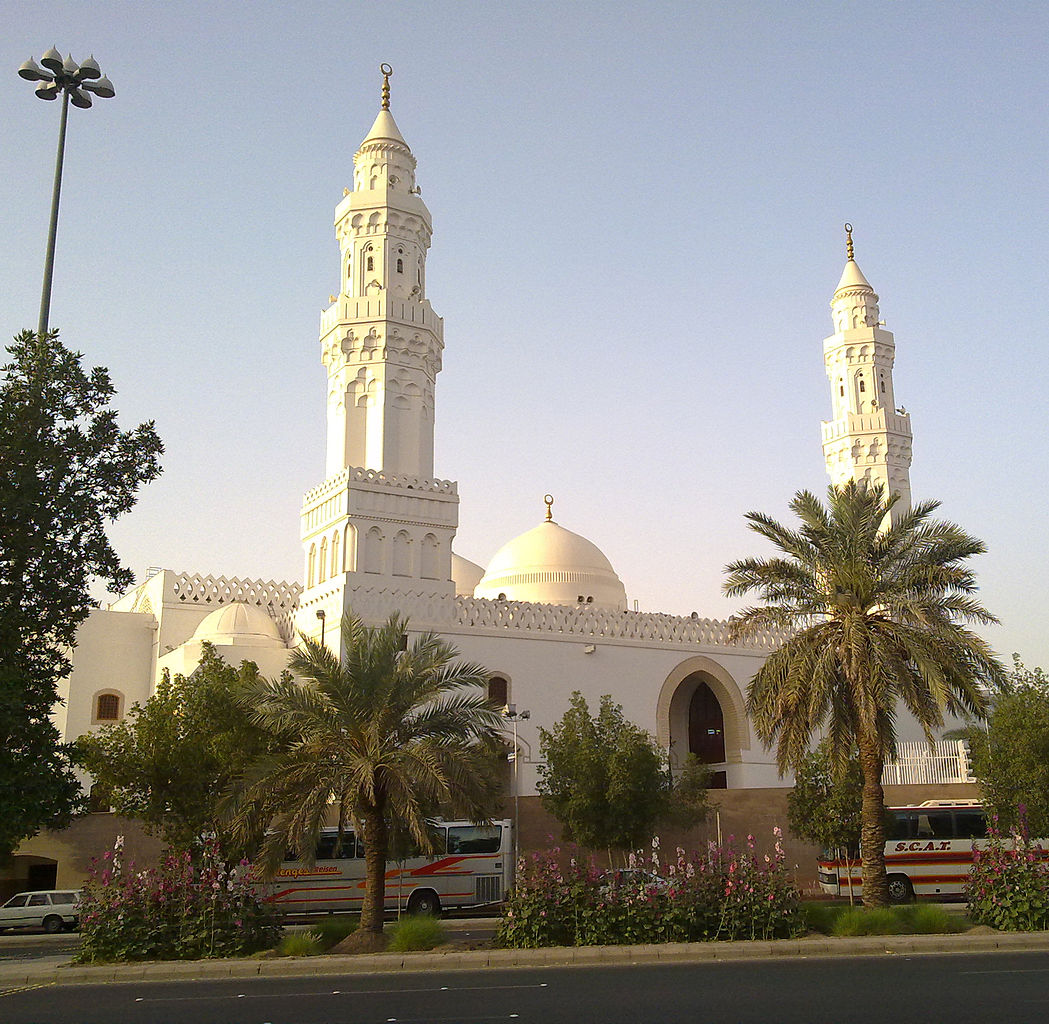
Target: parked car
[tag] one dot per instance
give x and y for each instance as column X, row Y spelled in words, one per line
column 52, row 910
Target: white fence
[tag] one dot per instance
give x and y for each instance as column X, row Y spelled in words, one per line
column 920, row 763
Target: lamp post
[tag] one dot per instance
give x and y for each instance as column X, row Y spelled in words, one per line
column 322, row 615
column 510, row 712
column 75, row 82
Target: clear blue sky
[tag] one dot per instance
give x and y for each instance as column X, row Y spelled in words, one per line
column 637, row 231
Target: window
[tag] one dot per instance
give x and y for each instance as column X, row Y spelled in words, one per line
column 329, row 848
column 400, row 266
column 498, row 691
column 473, row 839
column 863, row 385
column 371, row 263
column 38, row 899
column 62, row 898
column 970, row 824
column 107, row 707
column 18, row 901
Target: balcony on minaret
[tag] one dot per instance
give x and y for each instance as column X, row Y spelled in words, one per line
column 880, row 421
column 409, row 312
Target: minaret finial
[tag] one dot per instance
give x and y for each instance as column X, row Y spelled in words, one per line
column 386, row 72
column 549, row 499
column 848, row 241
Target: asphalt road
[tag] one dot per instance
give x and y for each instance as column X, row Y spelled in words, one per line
column 956, row 988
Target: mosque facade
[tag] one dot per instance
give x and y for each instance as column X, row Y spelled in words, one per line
column 548, row 614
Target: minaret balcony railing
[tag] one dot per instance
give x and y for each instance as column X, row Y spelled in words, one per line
column 878, row 422
column 409, row 312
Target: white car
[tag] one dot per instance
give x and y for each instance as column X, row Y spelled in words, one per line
column 53, row 910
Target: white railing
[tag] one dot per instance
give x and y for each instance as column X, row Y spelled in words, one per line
column 919, row 763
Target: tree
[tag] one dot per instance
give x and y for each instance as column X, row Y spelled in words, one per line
column 1011, row 759
column 872, row 611
column 604, row 779
column 170, row 762
column 66, row 472
column 386, row 736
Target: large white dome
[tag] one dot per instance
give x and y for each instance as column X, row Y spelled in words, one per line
column 552, row 565
column 239, row 625
column 465, row 575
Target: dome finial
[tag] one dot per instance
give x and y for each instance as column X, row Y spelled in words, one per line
column 549, row 499
column 848, row 241
column 386, row 72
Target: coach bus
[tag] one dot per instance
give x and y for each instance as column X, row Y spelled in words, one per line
column 472, row 867
column 928, row 852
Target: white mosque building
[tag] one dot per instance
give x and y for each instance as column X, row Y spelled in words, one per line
column 549, row 614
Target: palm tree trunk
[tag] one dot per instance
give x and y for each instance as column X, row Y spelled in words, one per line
column 872, row 828
column 376, row 842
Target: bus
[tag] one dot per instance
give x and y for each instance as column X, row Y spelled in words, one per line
column 928, row 852
column 472, row 867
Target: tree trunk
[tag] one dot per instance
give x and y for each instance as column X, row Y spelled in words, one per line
column 376, row 842
column 872, row 828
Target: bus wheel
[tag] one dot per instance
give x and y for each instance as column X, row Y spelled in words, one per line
column 425, row 901
column 900, row 889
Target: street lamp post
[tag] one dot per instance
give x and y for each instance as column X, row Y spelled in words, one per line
column 510, row 712
column 75, row 82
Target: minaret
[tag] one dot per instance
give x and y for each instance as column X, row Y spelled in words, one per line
column 869, row 438
column 377, row 534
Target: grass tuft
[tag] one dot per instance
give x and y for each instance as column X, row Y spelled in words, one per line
column 300, row 944
column 332, row 930
column 860, row 921
column 416, row 932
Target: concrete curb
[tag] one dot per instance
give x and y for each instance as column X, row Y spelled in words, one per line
column 33, row 975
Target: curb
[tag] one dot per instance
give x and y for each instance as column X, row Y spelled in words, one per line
column 558, row 956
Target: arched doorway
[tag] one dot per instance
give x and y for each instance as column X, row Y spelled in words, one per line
column 706, row 726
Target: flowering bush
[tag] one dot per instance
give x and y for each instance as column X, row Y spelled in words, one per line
column 1009, row 881
column 180, row 910
column 722, row 893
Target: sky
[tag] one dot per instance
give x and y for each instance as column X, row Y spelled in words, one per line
column 637, row 214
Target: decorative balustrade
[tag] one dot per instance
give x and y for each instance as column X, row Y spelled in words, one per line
column 587, row 621
column 278, row 598
column 920, row 763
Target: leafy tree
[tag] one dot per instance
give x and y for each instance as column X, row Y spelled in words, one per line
column 825, row 806
column 872, row 611
column 604, row 779
column 386, row 736
column 1011, row 759
column 66, row 472
column 172, row 759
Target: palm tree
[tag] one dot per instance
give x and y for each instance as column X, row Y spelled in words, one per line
column 386, row 736
column 873, row 602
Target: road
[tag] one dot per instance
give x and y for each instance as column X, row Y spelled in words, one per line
column 957, row 988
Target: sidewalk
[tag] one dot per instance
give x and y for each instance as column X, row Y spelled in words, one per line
column 50, row 973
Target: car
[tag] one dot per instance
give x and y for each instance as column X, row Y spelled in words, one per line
column 53, row 910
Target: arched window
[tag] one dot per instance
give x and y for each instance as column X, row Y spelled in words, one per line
column 882, row 379
column 311, row 566
column 371, row 263
column 400, row 266
column 430, row 552
column 107, row 707
column 498, row 691
column 863, row 385
column 373, row 553
column 335, row 566
column 706, row 726
column 402, row 554
column 323, row 565
column 349, row 546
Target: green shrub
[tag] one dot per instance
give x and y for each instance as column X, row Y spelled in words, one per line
column 929, row 919
column 300, row 944
column 416, row 932
column 864, row 921
column 723, row 893
column 820, row 917
column 332, row 930
column 181, row 910
column 1009, row 881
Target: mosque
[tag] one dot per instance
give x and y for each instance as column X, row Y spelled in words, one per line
column 548, row 614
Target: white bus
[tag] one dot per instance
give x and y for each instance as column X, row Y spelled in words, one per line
column 928, row 852
column 473, row 867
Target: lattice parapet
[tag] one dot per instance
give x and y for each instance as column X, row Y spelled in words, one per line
column 376, row 605
column 338, row 481
column 587, row 621
column 278, row 598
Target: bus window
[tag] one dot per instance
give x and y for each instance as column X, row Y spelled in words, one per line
column 473, row 839
column 901, row 825
column 935, row 825
column 970, row 824
column 329, row 847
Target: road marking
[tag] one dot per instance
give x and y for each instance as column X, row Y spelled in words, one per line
column 353, row 992
column 1018, row 970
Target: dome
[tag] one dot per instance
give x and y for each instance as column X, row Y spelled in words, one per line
column 239, row 625
column 552, row 565
column 465, row 575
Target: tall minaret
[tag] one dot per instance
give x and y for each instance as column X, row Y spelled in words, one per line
column 377, row 534
column 868, row 437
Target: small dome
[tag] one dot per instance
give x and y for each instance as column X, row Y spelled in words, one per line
column 465, row 575
column 552, row 565
column 852, row 277
column 239, row 625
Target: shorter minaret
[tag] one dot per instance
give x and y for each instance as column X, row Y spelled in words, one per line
column 868, row 438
